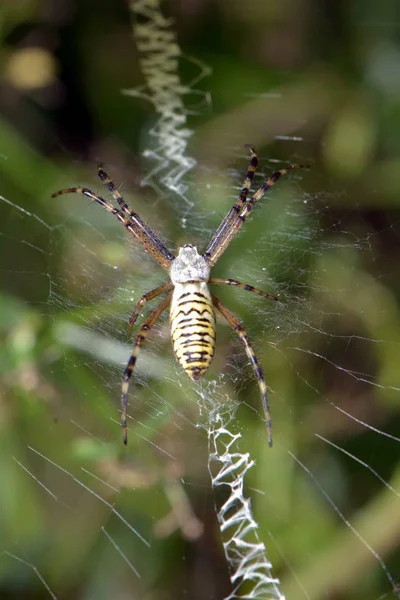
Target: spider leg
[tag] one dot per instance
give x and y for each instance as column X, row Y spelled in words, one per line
column 108, row 182
column 237, row 326
column 224, row 228
column 243, row 286
column 237, row 216
column 165, row 287
column 133, row 223
column 144, row 330
column 251, row 169
column 263, row 189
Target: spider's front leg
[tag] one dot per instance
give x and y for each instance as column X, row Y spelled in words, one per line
column 220, row 239
column 144, row 330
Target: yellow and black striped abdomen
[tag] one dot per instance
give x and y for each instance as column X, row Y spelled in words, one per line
column 193, row 327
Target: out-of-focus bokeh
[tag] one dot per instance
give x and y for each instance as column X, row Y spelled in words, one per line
column 316, row 83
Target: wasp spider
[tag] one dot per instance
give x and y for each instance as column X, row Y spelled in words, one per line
column 192, row 315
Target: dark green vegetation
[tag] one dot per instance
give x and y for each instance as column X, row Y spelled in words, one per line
column 315, row 83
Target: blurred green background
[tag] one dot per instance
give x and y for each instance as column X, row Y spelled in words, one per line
column 317, row 83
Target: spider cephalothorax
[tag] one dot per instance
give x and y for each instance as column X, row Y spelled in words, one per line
column 192, row 305
column 189, row 265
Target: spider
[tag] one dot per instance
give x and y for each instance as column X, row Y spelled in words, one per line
column 192, row 314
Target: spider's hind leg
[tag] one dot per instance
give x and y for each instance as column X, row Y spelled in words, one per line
column 241, row 332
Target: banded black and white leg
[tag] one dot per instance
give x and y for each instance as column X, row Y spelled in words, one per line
column 165, row 287
column 239, row 212
column 146, row 237
column 144, row 330
column 223, row 231
column 242, row 286
column 241, row 332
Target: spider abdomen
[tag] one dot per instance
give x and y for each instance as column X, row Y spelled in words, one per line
column 193, row 327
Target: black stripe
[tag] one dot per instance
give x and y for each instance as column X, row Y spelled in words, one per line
column 200, row 342
column 202, row 335
column 192, row 301
column 190, row 353
column 191, row 323
column 199, row 312
column 129, row 368
column 201, row 360
column 198, row 294
column 259, row 373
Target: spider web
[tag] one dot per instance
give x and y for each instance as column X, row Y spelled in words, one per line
column 318, row 515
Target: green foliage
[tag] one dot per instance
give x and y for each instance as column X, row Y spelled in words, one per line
column 326, row 81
